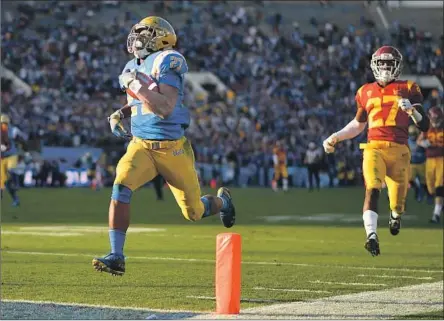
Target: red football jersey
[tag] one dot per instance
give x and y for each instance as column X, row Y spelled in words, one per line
column 379, row 106
column 281, row 154
column 436, row 138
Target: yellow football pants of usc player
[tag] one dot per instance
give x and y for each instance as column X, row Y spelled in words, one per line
column 174, row 160
column 7, row 163
column 280, row 170
column 434, row 173
column 418, row 170
column 389, row 162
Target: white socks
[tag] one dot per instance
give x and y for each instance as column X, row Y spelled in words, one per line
column 395, row 215
column 370, row 222
column 285, row 184
column 437, row 210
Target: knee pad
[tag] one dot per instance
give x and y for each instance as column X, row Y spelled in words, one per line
column 440, row 191
column 121, row 193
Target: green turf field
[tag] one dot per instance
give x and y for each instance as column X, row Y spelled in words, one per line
column 297, row 246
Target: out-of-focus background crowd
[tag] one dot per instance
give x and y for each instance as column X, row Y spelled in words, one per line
column 291, row 70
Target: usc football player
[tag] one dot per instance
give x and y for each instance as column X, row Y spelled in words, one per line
column 387, row 106
column 433, row 142
column 280, row 167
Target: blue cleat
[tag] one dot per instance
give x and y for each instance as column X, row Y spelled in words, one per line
column 111, row 263
column 16, row 203
column 228, row 217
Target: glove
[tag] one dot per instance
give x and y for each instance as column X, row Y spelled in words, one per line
column 406, row 106
column 115, row 122
column 4, row 148
column 329, row 143
column 127, row 77
column 425, row 143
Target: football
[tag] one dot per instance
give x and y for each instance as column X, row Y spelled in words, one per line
column 146, row 81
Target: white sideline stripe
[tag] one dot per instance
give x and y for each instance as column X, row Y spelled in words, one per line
column 290, row 290
column 74, row 304
column 396, row 277
column 42, row 233
column 385, row 304
column 347, row 283
column 154, row 258
column 242, row 299
column 86, row 228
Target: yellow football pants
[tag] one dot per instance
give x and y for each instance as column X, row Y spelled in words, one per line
column 418, row 170
column 389, row 162
column 280, row 170
column 174, row 160
column 434, row 173
column 7, row 163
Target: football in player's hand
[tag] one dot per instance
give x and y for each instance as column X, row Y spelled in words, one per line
column 146, row 81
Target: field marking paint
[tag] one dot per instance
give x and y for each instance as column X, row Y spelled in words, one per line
column 289, row 290
column 242, row 299
column 100, row 306
column 87, row 229
column 383, row 304
column 396, row 277
column 347, row 283
column 322, row 217
column 154, row 258
column 41, row 233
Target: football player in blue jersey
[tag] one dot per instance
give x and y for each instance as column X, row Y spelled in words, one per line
column 9, row 159
column 417, row 165
column 158, row 145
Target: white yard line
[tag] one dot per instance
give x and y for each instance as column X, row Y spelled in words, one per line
column 74, row 304
column 346, row 267
column 242, row 299
column 386, row 304
column 347, row 283
column 396, row 277
column 289, row 290
column 56, row 234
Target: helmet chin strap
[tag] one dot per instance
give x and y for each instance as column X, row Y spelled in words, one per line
column 141, row 54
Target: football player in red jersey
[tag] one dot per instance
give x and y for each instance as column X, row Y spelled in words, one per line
column 387, row 105
column 433, row 141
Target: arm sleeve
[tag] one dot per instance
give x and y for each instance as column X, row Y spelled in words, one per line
column 361, row 113
column 415, row 95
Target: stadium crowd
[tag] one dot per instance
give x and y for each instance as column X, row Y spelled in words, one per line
column 282, row 89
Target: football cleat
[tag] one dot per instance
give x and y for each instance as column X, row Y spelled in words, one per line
column 228, row 217
column 111, row 263
column 394, row 224
column 372, row 244
column 435, row 219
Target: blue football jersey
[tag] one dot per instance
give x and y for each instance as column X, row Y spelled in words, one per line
column 418, row 153
column 166, row 67
column 12, row 146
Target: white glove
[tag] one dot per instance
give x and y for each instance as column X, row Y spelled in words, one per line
column 406, row 106
column 424, row 143
column 3, row 148
column 127, row 77
column 115, row 122
column 329, row 143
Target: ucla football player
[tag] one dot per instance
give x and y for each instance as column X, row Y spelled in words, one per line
column 9, row 159
column 158, row 145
